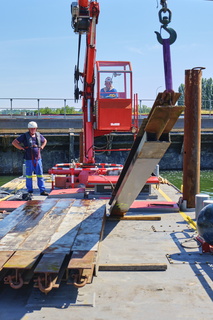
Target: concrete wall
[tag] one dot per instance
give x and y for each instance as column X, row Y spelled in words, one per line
column 63, row 148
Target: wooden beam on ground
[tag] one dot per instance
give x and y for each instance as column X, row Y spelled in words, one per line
column 132, row 267
column 132, row 218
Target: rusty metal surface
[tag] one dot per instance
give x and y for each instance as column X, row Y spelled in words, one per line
column 24, row 218
column 82, row 260
column 192, row 136
column 50, row 263
column 22, row 260
column 63, row 238
column 21, row 213
column 52, row 228
column 151, row 143
column 41, row 234
column 91, row 228
column 147, row 156
column 4, row 256
column 163, row 119
column 165, row 99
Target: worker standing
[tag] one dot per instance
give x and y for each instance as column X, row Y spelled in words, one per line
column 32, row 142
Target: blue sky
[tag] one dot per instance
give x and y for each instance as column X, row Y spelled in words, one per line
column 38, row 48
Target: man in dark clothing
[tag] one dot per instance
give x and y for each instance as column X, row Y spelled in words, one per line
column 32, row 142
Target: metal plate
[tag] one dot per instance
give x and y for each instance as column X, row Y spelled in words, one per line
column 50, row 263
column 4, row 256
column 63, row 298
column 82, row 260
column 190, row 258
column 22, row 260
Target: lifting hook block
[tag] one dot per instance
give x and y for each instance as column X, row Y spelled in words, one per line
column 48, row 285
column 172, row 35
column 77, row 282
column 17, row 284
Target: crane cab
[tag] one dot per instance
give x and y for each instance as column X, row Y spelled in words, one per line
column 114, row 104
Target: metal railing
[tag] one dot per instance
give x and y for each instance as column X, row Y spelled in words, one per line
column 33, row 106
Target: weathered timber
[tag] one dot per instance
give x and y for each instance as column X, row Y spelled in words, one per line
column 132, row 267
column 32, row 210
column 22, row 260
column 139, row 218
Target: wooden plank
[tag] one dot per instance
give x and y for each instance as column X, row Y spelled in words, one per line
column 22, row 260
column 4, row 256
column 63, row 238
column 82, row 260
column 138, row 218
column 42, row 233
column 132, row 267
column 50, row 263
column 91, row 227
column 28, row 218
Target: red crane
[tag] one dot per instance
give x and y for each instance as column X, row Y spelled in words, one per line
column 101, row 115
column 105, row 110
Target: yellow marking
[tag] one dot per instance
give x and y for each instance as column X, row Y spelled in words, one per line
column 164, row 195
column 20, row 186
column 189, row 220
column 5, row 198
column 185, row 217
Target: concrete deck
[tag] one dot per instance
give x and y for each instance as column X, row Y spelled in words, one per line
column 182, row 291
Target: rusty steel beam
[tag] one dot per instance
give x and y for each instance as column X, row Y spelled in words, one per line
column 192, row 135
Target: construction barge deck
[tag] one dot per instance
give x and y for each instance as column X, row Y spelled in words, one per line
column 143, row 265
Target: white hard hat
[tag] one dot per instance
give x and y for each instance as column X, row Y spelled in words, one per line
column 108, row 79
column 32, row 124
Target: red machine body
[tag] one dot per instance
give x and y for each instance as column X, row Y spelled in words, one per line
column 101, row 115
column 114, row 114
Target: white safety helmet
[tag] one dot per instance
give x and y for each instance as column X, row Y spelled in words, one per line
column 32, row 124
column 108, row 79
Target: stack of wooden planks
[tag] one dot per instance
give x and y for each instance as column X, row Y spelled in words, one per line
column 46, row 240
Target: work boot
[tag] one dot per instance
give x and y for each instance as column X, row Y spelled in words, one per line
column 44, row 193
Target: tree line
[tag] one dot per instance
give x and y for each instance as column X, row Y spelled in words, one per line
column 46, row 110
column 207, row 94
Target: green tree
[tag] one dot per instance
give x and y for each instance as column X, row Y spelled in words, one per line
column 143, row 109
column 207, row 93
column 181, row 90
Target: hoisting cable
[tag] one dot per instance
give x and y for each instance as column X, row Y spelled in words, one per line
column 165, row 16
column 77, row 73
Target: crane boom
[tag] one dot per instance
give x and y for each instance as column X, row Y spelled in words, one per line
column 84, row 19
